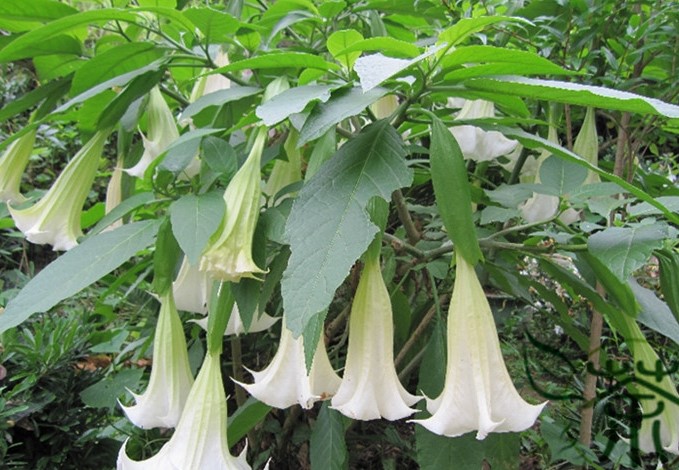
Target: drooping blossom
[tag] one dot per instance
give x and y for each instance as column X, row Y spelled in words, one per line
column 191, row 288
column 370, row 388
column 200, row 440
column 228, row 256
column 235, row 326
column 55, row 219
column 160, row 133
column 162, row 403
column 476, row 143
column 12, row 165
column 478, row 394
column 285, row 382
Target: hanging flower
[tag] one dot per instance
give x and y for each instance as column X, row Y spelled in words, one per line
column 199, row 442
column 385, row 106
column 12, row 165
column 475, row 143
column 540, row 207
column 370, row 388
column 285, row 381
column 162, row 403
column 647, row 365
column 55, row 219
column 161, row 132
column 587, row 145
column 191, row 289
column 478, row 394
column 228, row 256
column 236, row 325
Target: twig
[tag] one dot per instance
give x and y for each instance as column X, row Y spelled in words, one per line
column 418, row 331
column 404, row 216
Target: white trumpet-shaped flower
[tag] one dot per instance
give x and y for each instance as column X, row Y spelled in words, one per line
column 228, row 256
column 12, row 165
column 478, row 394
column 475, row 143
column 658, row 410
column 370, row 388
column 191, row 288
column 200, row 441
column 540, row 207
column 162, row 403
column 55, row 219
column 235, row 326
column 161, row 132
column 285, row 381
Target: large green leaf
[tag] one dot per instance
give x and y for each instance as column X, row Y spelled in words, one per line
column 669, row 278
column 277, row 60
column 245, row 418
column 194, row 220
column 105, row 393
column 327, row 447
column 340, row 40
column 561, row 175
column 374, row 69
column 436, row 452
column 343, row 104
column 291, row 101
column 77, row 269
column 574, row 93
column 465, row 27
column 113, row 63
column 383, row 44
column 626, row 249
column 54, row 88
column 138, row 87
column 24, row 45
column 453, row 196
column 218, row 98
column 329, row 228
column 34, row 10
column 217, row 26
column 654, row 313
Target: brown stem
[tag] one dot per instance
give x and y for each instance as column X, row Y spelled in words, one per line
column 589, row 393
column 404, row 216
column 237, row 367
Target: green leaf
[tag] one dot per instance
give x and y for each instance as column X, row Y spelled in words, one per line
column 194, row 220
column 50, row 67
column 113, row 63
column 122, row 209
column 218, row 98
column 24, row 45
column 654, row 313
column 626, row 249
column 217, row 26
column 180, row 152
column 340, row 40
column 618, row 290
column 277, row 60
column 291, row 101
column 343, row 104
column 499, row 55
column 118, row 81
column 327, row 447
column 644, row 208
column 165, row 257
column 329, row 228
column 34, row 10
column 384, row 44
column 138, row 87
column 669, row 278
column 468, row 26
column 105, row 393
column 434, row 452
column 486, row 70
column 453, row 196
column 562, row 175
column 77, row 269
column 573, row 93
column 246, row 417
column 374, row 69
